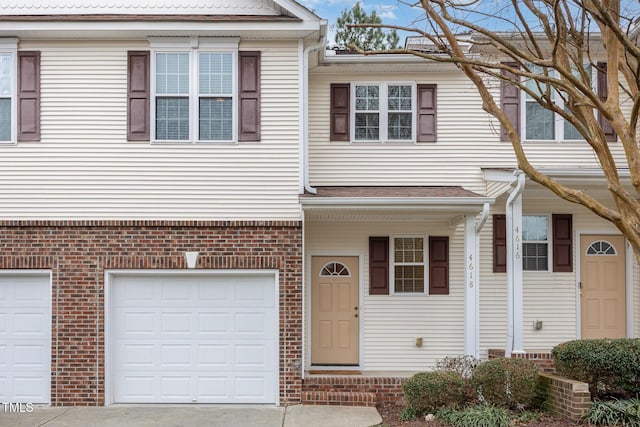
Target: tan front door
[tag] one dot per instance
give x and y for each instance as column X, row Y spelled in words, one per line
column 335, row 309
column 602, row 281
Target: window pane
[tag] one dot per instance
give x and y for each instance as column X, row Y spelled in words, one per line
column 172, row 119
column 367, row 98
column 409, row 278
column 535, row 257
column 400, row 126
column 534, row 227
column 367, row 126
column 539, row 122
column 5, row 119
column 216, row 119
column 570, row 131
column 215, row 74
column 399, row 98
column 5, row 75
column 172, row 73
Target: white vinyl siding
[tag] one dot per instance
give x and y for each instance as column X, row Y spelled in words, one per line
column 548, row 297
column 391, row 323
column 84, row 168
column 468, row 138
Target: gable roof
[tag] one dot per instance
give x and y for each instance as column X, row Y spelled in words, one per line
column 261, row 19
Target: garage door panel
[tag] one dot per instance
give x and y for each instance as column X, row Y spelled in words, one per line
column 25, row 334
column 219, row 349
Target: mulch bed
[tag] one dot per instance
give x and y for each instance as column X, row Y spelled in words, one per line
column 390, row 413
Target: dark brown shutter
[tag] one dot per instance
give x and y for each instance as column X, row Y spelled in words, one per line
column 609, row 133
column 427, row 113
column 378, row 266
column 499, row 244
column 510, row 102
column 249, row 96
column 339, row 114
column 28, row 96
column 438, row 265
column 138, row 96
column 562, row 243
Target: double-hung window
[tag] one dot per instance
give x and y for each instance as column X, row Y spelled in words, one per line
column 384, row 112
column 7, row 96
column 195, row 95
column 535, row 246
column 541, row 124
column 408, row 265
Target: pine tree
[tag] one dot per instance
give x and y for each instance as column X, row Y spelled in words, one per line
column 363, row 38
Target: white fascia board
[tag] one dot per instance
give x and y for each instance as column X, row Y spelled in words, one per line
column 195, row 42
column 581, row 173
column 458, row 204
column 499, row 175
column 125, row 29
column 298, row 10
column 394, row 58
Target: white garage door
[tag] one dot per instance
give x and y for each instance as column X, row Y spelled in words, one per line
column 194, row 338
column 25, row 338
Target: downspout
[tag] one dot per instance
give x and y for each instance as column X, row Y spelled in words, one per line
column 514, row 194
column 305, row 112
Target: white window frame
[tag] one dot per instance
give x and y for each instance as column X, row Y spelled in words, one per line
column 392, row 263
column 549, row 243
column 10, row 47
column 194, row 46
column 383, row 112
column 558, row 121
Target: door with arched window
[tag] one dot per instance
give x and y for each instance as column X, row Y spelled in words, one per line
column 335, row 311
column 602, row 287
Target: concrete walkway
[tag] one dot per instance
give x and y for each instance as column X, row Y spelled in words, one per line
column 193, row 416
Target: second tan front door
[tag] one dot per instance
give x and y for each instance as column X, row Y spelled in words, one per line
column 335, row 311
column 602, row 287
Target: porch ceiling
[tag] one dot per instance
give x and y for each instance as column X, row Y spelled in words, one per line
column 352, row 203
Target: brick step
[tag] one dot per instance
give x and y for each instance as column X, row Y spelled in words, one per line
column 340, row 398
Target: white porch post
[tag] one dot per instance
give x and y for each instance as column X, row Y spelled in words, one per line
column 518, row 317
column 513, row 213
column 471, row 294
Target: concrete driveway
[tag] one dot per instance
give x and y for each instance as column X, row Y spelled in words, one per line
column 193, row 416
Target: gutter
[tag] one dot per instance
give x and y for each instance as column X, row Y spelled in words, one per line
column 304, row 105
column 514, row 194
column 471, row 202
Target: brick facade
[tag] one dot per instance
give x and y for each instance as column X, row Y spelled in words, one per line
column 543, row 360
column 569, row 399
column 78, row 252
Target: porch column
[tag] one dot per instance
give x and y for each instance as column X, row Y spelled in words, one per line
column 471, row 293
column 515, row 318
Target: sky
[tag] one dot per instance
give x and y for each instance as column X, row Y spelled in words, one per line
column 391, row 11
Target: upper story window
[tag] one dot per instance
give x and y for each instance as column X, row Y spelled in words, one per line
column 383, row 112
column 7, row 74
column 194, row 93
column 541, row 124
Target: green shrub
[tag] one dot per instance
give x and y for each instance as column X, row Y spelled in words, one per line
column 508, row 383
column 475, row 416
column 611, row 367
column 429, row 391
column 615, row 413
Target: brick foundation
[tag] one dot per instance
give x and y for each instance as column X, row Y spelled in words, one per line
column 354, row 390
column 78, row 252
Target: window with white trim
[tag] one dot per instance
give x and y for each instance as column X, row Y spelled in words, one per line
column 383, row 112
column 408, row 266
column 541, row 124
column 194, row 94
column 7, row 95
column 535, row 242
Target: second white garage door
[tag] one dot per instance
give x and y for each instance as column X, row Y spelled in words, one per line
column 194, row 338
